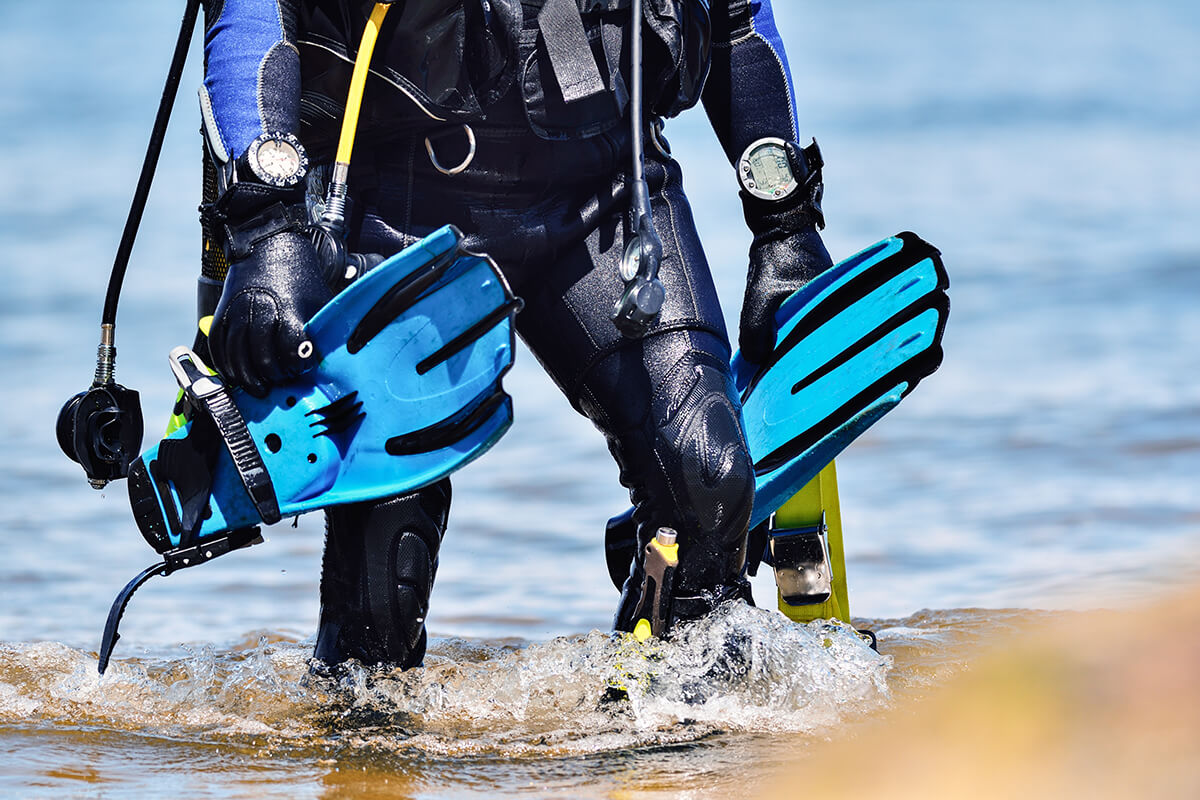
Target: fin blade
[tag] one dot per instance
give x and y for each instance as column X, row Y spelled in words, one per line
column 853, row 343
column 773, row 487
column 431, row 356
column 870, row 291
column 334, row 324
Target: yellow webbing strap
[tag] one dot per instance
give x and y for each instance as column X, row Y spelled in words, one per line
column 805, row 509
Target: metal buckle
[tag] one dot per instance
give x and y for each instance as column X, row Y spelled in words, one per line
column 801, row 559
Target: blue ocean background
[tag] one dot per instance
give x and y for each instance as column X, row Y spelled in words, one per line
column 1051, row 151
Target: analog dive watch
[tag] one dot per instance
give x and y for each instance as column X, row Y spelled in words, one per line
column 277, row 159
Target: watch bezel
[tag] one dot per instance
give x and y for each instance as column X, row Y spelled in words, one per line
column 745, row 171
column 285, row 181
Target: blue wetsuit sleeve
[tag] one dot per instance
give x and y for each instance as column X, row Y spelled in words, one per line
column 252, row 73
column 749, row 93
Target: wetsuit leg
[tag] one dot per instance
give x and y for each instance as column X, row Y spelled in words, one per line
column 666, row 403
column 380, row 557
column 380, row 562
column 682, row 453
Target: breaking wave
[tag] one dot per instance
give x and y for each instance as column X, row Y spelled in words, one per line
column 741, row 670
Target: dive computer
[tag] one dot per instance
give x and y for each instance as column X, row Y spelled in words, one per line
column 765, row 171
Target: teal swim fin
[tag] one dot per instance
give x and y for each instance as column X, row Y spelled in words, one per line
column 851, row 344
column 407, row 390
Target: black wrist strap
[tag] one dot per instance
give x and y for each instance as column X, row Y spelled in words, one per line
column 241, row 238
column 209, row 395
column 813, row 186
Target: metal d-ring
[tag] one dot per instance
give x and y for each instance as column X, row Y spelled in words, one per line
column 658, row 139
column 466, row 162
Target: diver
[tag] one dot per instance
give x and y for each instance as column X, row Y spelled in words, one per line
column 511, row 121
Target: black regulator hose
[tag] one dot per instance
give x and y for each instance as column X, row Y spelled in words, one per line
column 101, row 428
column 640, row 303
column 157, row 134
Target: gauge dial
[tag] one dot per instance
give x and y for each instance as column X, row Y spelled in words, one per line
column 764, row 170
column 278, row 159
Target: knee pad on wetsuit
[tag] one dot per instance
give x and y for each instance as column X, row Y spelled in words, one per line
column 380, row 562
column 699, row 429
column 690, row 469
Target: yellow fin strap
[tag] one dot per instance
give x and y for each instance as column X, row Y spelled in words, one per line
column 804, row 509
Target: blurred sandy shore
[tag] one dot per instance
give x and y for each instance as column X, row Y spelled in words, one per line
column 1103, row 705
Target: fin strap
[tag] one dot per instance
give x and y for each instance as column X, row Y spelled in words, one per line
column 208, row 393
column 173, row 560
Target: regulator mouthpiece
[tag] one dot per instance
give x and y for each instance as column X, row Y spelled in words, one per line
column 101, row 429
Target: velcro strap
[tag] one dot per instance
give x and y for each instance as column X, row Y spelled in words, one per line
column 278, row 218
column 814, row 183
column 208, row 394
column 812, row 157
column 592, row 6
column 570, row 54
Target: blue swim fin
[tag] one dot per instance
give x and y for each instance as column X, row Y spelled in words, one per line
column 407, row 390
column 851, row 344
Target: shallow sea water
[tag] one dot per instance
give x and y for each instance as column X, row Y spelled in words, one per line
column 1050, row 151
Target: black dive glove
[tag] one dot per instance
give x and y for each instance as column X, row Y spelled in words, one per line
column 787, row 252
column 275, row 285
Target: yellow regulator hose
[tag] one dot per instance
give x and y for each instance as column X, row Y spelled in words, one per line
column 358, row 82
column 335, row 204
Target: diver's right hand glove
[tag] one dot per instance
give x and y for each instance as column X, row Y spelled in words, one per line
column 274, row 286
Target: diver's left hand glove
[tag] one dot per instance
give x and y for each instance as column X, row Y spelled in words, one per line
column 787, row 252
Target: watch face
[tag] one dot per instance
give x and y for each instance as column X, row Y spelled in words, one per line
column 278, row 159
column 764, row 170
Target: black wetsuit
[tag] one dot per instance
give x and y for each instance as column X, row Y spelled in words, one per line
column 546, row 195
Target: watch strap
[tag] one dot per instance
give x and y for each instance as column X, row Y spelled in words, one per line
column 806, row 164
